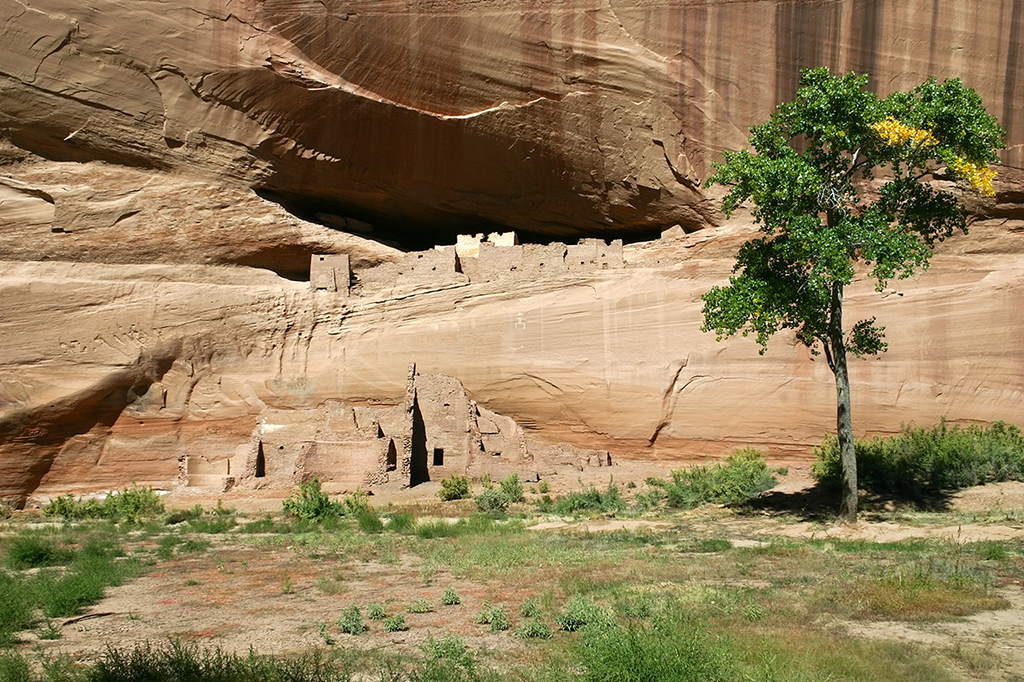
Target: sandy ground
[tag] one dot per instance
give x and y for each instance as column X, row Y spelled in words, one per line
column 271, row 597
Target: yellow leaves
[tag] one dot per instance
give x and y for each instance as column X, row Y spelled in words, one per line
column 894, row 133
column 978, row 175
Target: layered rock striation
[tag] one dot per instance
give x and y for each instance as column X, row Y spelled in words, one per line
column 589, row 117
column 168, row 169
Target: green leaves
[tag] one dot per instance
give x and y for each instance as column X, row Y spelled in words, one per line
column 804, row 179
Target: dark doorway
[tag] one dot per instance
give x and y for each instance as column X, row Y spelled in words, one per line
column 438, row 457
column 418, row 472
column 261, row 462
column 392, row 461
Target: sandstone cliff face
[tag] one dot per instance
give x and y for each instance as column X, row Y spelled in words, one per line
column 152, row 304
column 111, row 374
column 561, row 118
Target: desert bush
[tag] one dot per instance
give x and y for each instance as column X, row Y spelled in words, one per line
column 580, row 613
column 591, row 500
column 312, row 504
column 492, row 500
column 455, row 487
column 402, row 522
column 534, row 628
column 351, row 621
column 920, row 462
column 130, row 505
column 740, row 477
column 493, row 616
column 16, row 607
column 177, row 516
column 451, row 597
column 420, row 605
column 395, row 623
column 369, row 522
column 530, row 609
column 33, row 550
column 376, row 612
column 512, row 488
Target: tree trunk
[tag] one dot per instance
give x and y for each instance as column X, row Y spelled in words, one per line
column 844, row 421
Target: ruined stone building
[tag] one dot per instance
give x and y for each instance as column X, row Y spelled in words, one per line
column 434, row 432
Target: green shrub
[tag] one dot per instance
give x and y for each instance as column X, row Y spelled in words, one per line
column 580, row 613
column 530, row 609
column 312, row 504
column 494, row 616
column 511, row 488
column 740, row 477
column 534, row 628
column 356, row 503
column 591, row 500
column 130, row 505
column 16, row 606
column 420, row 605
column 451, row 597
column 449, row 660
column 544, row 487
column 35, row 551
column 455, row 487
column 180, row 515
column 351, row 621
column 919, row 462
column 395, row 623
column 492, row 500
column 376, row 612
column 369, row 522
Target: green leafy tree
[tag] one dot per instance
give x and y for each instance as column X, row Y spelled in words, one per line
column 808, row 180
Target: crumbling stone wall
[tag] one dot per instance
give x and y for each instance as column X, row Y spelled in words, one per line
column 498, row 258
column 435, row 431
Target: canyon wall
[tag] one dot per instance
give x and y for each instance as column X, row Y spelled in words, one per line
column 568, row 118
column 167, row 170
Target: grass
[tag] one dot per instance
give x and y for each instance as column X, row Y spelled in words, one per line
column 677, row 602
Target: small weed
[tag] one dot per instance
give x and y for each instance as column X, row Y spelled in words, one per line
column 192, row 582
column 530, row 609
column 376, row 612
column 534, row 628
column 580, row 612
column 395, row 623
column 494, row 616
column 544, row 487
column 451, row 597
column 287, row 586
column 324, row 630
column 51, row 631
column 420, row 605
column 351, row 621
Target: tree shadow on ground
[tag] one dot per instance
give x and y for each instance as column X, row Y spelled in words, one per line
column 821, row 504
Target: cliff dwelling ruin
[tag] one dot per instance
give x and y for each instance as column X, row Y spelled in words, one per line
column 435, row 431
